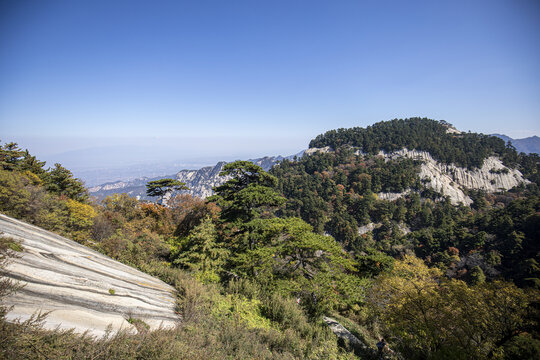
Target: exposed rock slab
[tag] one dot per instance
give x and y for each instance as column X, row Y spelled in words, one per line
column 201, row 182
column 75, row 284
column 389, row 196
column 367, row 228
column 372, row 226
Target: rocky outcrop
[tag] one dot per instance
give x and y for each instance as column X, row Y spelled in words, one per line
column 402, row 227
column 135, row 187
column 268, row 161
column 360, row 348
column 82, row 289
column 450, row 180
column 200, row 182
column 392, row 196
column 367, row 228
column 452, row 130
column 323, row 150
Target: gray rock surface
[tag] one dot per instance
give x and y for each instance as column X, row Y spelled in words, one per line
column 341, row 332
column 449, row 179
column 367, row 228
column 372, row 226
column 323, row 150
column 392, row 196
column 75, row 284
column 200, row 182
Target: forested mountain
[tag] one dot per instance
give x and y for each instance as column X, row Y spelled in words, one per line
column 438, row 138
column 341, row 192
column 361, row 229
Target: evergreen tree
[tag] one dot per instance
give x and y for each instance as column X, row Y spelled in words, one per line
column 248, row 194
column 162, row 187
column 200, row 251
column 10, row 155
column 61, row 181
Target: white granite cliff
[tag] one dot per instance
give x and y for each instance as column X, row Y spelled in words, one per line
column 449, row 179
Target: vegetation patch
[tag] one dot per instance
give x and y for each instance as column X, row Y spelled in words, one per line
column 140, row 325
column 11, row 243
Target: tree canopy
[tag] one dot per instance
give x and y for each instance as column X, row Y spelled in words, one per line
column 248, row 193
column 436, row 137
column 164, row 186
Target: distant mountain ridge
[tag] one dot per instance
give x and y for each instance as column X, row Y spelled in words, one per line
column 527, row 145
column 200, row 182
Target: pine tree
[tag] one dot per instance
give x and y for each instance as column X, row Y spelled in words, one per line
column 200, row 251
column 61, row 181
column 163, row 187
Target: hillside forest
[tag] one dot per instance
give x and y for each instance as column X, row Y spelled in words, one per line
column 259, row 264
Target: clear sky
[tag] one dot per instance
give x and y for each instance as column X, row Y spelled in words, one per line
column 249, row 78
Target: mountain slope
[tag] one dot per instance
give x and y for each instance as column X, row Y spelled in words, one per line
column 439, row 138
column 413, row 164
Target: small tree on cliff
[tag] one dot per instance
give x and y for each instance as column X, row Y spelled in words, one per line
column 164, row 186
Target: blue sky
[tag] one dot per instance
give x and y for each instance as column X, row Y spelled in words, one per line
column 248, row 78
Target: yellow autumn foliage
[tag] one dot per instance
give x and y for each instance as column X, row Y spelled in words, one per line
column 81, row 216
column 410, row 277
column 446, row 318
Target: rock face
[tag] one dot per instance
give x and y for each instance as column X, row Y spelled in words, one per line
column 323, row 150
column 450, row 180
column 372, row 226
column 360, row 348
column 200, row 182
column 391, row 196
column 81, row 288
column 135, row 187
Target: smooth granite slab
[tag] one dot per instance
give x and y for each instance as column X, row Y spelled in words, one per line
column 75, row 284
